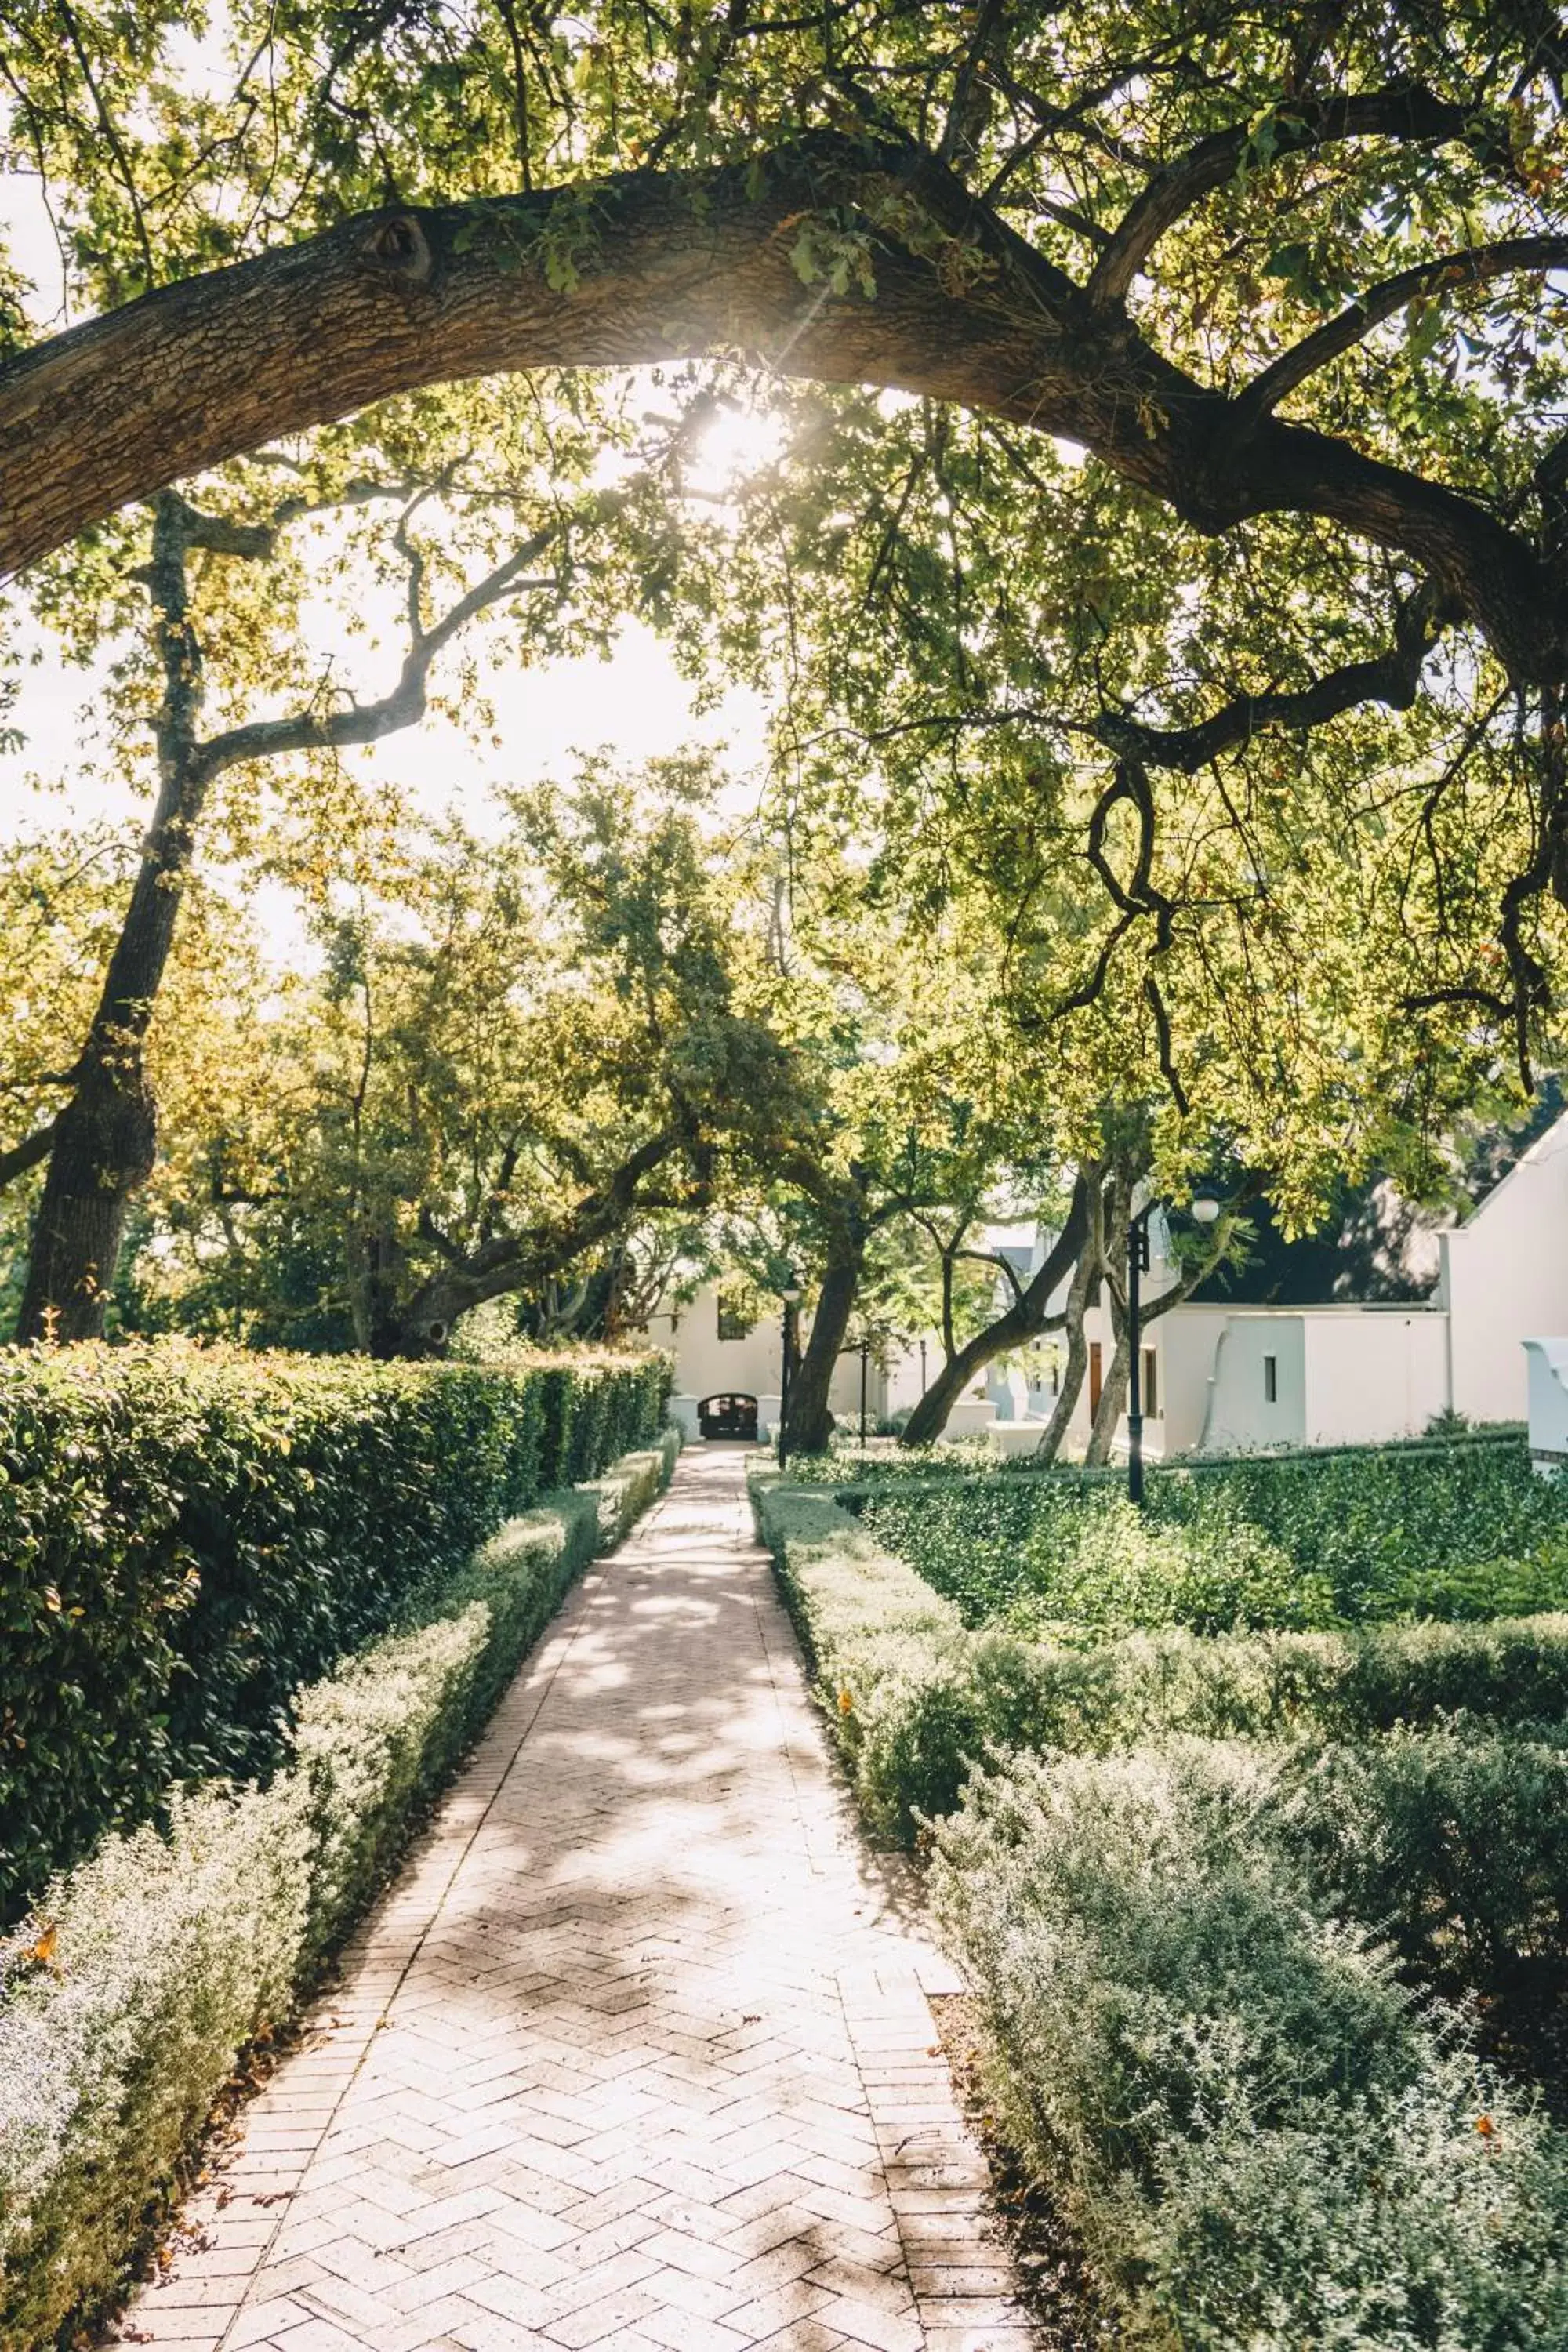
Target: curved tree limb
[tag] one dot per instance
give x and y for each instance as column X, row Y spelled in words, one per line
column 1474, row 268
column 1405, row 112
column 1028, row 1316
column 1392, row 678
column 510, row 1262
column 668, row 265
column 315, row 731
column 29, row 1154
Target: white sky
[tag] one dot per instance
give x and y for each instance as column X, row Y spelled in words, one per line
column 636, row 704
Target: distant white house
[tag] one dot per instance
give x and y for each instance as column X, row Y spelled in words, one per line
column 1217, row 1377
column 720, row 1351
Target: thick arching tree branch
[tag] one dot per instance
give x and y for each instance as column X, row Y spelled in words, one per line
column 510, row 1262
column 1025, row 1319
column 668, row 265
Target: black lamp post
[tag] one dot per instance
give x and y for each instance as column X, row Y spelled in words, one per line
column 789, row 1291
column 1205, row 1210
column 1137, row 1265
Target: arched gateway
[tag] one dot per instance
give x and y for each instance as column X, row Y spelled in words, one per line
column 732, row 1413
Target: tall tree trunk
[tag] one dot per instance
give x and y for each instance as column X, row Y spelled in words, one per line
column 104, row 1143
column 1113, row 1269
column 105, row 1139
column 809, row 1422
column 1112, row 1396
column 1082, row 1285
column 1025, row 1319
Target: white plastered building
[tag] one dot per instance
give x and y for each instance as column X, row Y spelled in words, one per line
column 717, row 1353
column 1220, row 1377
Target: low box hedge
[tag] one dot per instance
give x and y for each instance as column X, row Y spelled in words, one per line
column 1323, row 1542
column 187, row 1536
column 914, row 1698
column 126, row 1995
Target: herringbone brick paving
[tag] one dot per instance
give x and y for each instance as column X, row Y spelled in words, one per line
column 636, row 2055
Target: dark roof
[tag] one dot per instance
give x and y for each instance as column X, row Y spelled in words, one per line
column 1374, row 1246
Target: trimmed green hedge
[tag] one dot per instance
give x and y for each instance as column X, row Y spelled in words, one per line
column 1305, row 1542
column 915, row 1699
column 1269, row 2131
column 189, row 1535
column 126, row 1997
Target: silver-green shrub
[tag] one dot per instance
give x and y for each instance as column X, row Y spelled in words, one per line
column 885, row 1651
column 1267, row 2142
column 1451, row 1841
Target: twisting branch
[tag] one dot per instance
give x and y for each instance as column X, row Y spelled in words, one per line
column 29, row 1154
column 1476, row 267
column 1406, row 111
column 317, row 730
column 1168, row 1070
column 995, row 1258
column 1546, row 869
column 1134, row 900
column 1392, row 678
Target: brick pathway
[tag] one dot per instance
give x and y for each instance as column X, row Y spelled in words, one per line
column 636, row 2054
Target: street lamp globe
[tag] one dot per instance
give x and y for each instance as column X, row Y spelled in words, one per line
column 1205, row 1206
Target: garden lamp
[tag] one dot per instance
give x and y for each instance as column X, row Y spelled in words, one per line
column 789, row 1291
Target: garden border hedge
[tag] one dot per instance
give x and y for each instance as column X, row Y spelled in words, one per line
column 1265, row 2141
column 188, row 1536
column 126, row 1997
column 914, row 1698
column 1243, row 2179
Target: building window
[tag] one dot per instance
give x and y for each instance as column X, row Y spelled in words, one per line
column 1271, row 1380
column 1151, row 1386
column 732, row 1323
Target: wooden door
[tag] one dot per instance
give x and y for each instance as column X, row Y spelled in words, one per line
column 1094, row 1377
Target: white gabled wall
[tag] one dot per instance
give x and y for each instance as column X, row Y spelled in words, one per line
column 1505, row 1279
column 1373, row 1373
